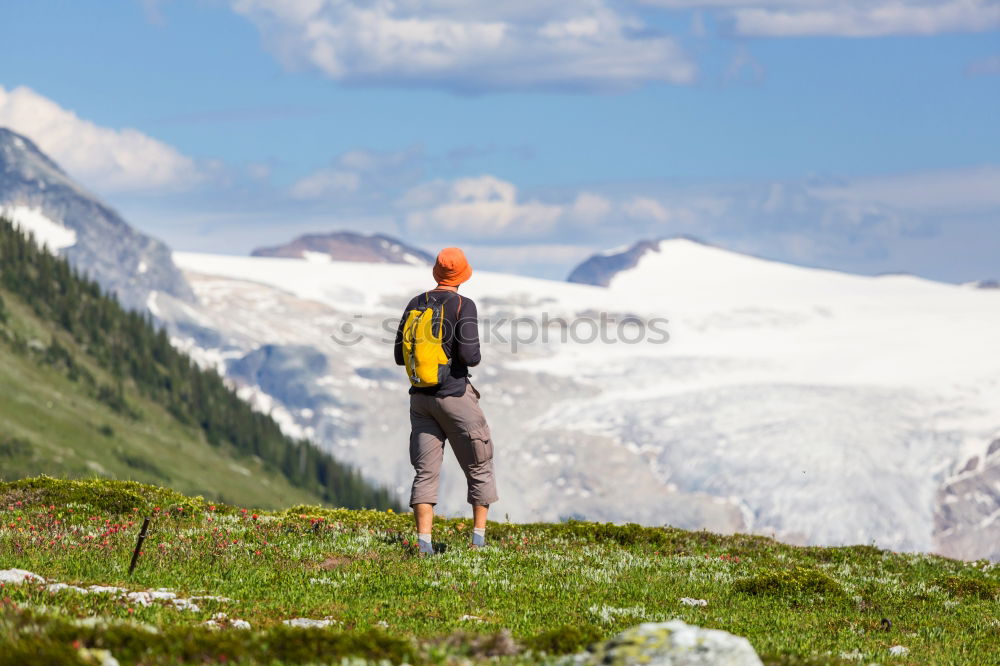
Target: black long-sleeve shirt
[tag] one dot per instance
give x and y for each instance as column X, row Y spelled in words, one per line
column 460, row 340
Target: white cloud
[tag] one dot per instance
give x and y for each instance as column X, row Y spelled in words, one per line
column 645, row 208
column 984, row 67
column 109, row 160
column 361, row 172
column 589, row 208
column 483, row 207
column 326, row 182
column 850, row 18
column 974, row 189
column 470, row 46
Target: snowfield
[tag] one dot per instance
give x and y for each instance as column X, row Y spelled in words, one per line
column 817, row 406
column 47, row 233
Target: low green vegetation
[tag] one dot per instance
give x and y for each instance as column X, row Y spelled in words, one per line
column 91, row 390
column 535, row 594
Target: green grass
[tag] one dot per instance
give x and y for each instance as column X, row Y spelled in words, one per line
column 554, row 587
column 54, row 425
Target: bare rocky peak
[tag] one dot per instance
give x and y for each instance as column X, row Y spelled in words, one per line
column 350, row 246
column 601, row 268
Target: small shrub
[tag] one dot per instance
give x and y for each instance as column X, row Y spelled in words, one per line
column 14, row 447
column 141, row 464
column 477, row 646
column 797, row 583
column 975, row 588
column 565, row 640
column 106, row 430
column 102, row 495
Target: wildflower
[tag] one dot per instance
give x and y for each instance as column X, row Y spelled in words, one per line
column 254, row 516
column 211, row 507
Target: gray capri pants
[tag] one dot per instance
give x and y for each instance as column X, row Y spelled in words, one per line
column 460, row 420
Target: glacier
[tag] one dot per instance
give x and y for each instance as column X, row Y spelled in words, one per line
column 812, row 405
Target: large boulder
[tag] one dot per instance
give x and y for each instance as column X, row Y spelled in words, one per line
column 672, row 643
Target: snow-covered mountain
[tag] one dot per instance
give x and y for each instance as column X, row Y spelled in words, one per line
column 818, row 406
column 41, row 198
column 349, row 246
column 601, row 268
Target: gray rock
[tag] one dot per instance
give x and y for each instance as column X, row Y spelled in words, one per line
column 121, row 259
column 967, row 511
column 672, row 643
column 350, row 246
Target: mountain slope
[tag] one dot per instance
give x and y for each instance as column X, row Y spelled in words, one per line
column 819, row 406
column 348, row 246
column 40, row 197
column 91, row 389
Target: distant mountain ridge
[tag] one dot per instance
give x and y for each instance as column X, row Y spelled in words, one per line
column 601, row 268
column 349, row 246
column 38, row 196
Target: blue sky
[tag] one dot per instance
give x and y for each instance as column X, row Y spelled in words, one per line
column 860, row 135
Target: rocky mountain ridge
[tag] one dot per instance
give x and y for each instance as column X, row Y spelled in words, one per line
column 349, row 246
column 41, row 198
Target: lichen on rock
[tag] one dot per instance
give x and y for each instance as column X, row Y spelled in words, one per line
column 672, row 643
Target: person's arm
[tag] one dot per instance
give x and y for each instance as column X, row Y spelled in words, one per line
column 397, row 348
column 467, row 338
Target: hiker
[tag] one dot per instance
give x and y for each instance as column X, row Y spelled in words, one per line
column 438, row 341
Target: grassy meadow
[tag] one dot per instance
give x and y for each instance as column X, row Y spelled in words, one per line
column 536, row 594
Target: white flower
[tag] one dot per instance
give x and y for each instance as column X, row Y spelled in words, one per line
column 308, row 623
column 688, row 601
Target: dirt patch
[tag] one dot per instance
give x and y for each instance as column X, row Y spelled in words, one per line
column 338, row 560
column 499, row 644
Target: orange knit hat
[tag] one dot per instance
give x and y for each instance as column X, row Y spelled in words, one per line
column 451, row 268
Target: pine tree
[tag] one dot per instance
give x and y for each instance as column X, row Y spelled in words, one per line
column 140, row 358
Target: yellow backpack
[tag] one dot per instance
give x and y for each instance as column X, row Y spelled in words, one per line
column 423, row 342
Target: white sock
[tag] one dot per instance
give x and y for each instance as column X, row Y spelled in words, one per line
column 478, row 536
column 424, row 541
